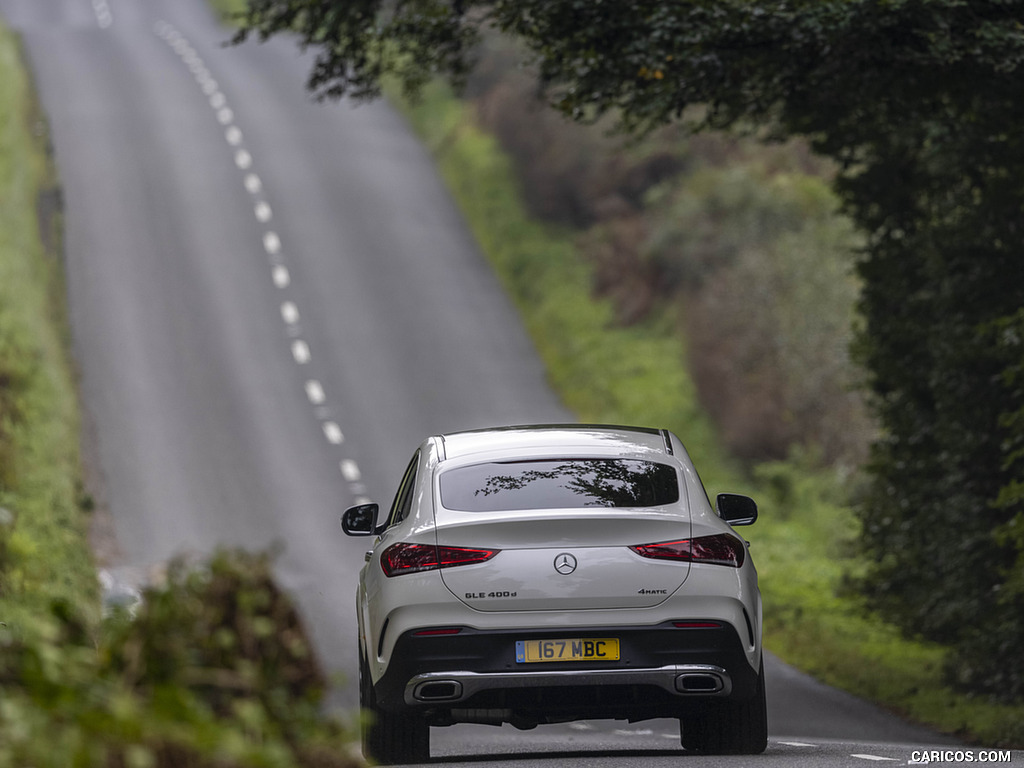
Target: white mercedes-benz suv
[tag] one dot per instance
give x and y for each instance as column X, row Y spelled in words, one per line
column 544, row 574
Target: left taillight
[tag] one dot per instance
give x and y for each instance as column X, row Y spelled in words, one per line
column 720, row 549
column 404, row 558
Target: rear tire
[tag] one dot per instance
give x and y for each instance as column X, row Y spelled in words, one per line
column 729, row 727
column 390, row 738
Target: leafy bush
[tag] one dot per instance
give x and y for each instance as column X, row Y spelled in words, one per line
column 761, row 263
column 743, row 240
column 988, row 656
column 570, row 174
column 215, row 670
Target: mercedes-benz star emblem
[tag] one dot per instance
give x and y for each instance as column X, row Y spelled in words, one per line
column 565, row 563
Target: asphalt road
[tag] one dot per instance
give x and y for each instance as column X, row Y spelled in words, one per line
column 272, row 303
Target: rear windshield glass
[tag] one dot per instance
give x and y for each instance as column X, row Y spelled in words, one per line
column 559, row 484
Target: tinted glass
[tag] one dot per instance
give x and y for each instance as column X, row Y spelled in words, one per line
column 403, row 498
column 559, row 484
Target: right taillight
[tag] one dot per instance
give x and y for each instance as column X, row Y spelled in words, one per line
column 720, row 549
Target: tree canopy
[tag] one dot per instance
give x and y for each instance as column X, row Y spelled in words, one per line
column 919, row 102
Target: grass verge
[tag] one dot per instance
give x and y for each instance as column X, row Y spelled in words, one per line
column 637, row 375
column 44, row 552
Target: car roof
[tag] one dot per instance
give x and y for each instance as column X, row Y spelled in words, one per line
column 557, row 440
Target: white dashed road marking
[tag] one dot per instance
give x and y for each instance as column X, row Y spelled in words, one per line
column 315, row 392
column 290, row 313
column 350, row 470
column 272, row 243
column 282, row 279
column 300, row 351
column 333, row 433
column 875, row 758
column 103, row 15
column 280, row 275
column 633, row 732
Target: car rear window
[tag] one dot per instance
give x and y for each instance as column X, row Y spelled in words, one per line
column 559, row 484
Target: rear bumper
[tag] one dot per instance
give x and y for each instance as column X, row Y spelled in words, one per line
column 451, row 688
column 660, row 669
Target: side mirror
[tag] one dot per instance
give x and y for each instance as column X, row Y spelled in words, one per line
column 360, row 520
column 736, row 509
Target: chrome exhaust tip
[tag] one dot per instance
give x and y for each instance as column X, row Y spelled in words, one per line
column 438, row 690
column 699, row 682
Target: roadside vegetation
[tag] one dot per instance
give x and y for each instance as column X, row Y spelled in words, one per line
column 228, row 11
column 43, row 550
column 214, row 670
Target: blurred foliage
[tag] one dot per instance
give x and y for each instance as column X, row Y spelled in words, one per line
column 945, row 263
column 15, row 371
column 762, row 264
column 913, row 101
column 229, row 11
column 979, row 661
column 214, row 670
column 744, row 242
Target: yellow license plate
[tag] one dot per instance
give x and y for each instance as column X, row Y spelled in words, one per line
column 571, row 649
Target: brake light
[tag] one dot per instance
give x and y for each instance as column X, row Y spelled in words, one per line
column 403, row 558
column 720, row 549
column 440, row 632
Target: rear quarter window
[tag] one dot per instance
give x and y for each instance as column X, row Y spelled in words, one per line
column 558, row 484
